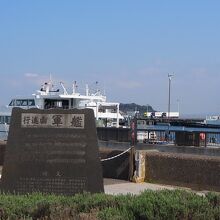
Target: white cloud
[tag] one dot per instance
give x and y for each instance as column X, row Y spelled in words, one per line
column 36, row 79
column 31, row 75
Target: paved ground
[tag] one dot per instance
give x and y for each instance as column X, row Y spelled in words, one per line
column 115, row 187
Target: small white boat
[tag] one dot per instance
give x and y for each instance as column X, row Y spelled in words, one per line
column 212, row 120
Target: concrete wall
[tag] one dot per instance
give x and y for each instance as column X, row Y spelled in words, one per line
column 205, row 151
column 117, row 168
column 199, row 172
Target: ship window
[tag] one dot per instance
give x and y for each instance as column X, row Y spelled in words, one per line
column 101, row 110
column 12, row 103
column 7, row 119
column 18, row 102
column 31, row 102
column 24, row 102
column 53, row 103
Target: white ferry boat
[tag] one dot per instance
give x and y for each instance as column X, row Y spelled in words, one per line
column 106, row 113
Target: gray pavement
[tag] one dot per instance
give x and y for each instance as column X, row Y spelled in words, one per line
column 122, row 187
column 115, row 187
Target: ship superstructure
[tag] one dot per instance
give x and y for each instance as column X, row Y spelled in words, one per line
column 48, row 97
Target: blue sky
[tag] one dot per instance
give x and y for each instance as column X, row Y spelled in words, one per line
column 129, row 47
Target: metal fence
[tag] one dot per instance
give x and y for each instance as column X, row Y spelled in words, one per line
column 179, row 138
column 213, row 139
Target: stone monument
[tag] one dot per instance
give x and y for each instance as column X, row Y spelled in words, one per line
column 52, row 151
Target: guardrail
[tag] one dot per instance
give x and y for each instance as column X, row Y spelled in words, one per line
column 175, row 135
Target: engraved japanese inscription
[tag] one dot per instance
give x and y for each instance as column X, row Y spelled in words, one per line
column 52, row 151
column 52, row 120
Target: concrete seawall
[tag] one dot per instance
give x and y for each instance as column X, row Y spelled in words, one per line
column 203, row 151
column 175, row 166
column 194, row 171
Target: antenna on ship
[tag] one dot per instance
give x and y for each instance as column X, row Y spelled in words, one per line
column 74, row 87
column 97, row 90
column 104, row 92
column 87, row 90
column 51, row 82
column 64, row 89
column 50, row 78
column 96, row 84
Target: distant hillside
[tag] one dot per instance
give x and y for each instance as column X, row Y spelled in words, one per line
column 135, row 107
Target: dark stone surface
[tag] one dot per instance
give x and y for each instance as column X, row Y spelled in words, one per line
column 53, row 155
column 2, row 151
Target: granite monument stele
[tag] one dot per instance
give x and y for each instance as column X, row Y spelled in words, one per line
column 52, row 151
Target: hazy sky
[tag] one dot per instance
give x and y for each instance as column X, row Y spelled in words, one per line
column 129, row 47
